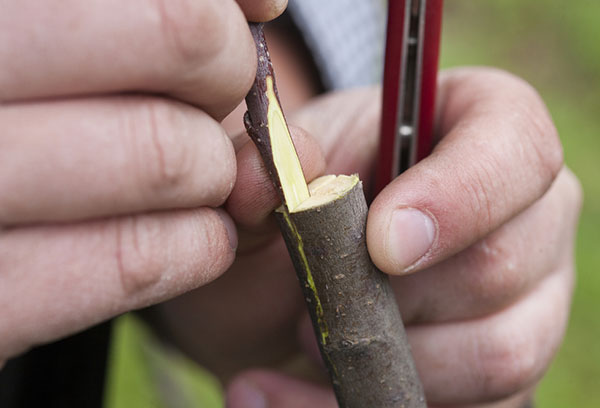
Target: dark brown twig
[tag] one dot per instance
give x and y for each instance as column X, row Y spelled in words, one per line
column 351, row 303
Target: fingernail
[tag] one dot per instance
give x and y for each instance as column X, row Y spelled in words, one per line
column 230, row 227
column 243, row 394
column 411, row 234
column 278, row 6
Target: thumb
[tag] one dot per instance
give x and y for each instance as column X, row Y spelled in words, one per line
column 266, row 389
column 262, row 10
column 499, row 154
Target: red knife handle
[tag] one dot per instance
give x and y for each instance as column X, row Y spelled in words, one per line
column 391, row 86
column 431, row 50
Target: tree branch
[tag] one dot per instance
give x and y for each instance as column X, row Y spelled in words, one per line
column 351, row 303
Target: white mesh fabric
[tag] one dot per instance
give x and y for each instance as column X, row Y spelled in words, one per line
column 346, row 38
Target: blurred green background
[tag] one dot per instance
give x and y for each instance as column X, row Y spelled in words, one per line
column 553, row 44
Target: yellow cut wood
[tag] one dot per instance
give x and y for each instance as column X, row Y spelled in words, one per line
column 285, row 157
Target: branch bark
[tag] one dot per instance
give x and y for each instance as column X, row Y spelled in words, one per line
column 352, row 306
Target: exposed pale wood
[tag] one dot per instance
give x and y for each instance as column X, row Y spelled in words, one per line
column 351, row 303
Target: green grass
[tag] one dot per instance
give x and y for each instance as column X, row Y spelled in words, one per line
column 553, row 45
column 144, row 374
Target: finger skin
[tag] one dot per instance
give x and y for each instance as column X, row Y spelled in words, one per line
column 199, row 51
column 262, row 10
column 483, row 360
column 73, row 159
column 58, row 279
column 273, row 389
column 472, row 183
column 501, row 268
column 277, row 390
column 522, row 399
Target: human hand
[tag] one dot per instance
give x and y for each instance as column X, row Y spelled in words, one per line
column 112, row 158
column 488, row 296
column 481, row 258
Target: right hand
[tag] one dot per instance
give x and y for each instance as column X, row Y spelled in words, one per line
column 112, row 158
column 485, row 309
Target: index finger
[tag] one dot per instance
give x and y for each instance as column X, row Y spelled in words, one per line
column 500, row 153
column 199, row 51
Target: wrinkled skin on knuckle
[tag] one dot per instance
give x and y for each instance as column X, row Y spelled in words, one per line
column 516, row 102
column 217, row 254
column 138, row 253
column 159, row 155
column 181, row 157
column 530, row 143
column 480, row 184
column 158, row 257
column 209, row 252
column 529, row 114
column 540, row 137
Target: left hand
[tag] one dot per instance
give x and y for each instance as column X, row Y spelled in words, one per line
column 489, row 251
column 112, row 158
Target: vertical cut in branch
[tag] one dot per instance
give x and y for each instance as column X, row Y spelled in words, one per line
column 352, row 306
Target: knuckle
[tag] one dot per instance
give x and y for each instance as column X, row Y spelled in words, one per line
column 164, row 161
column 479, row 186
column 178, row 155
column 537, row 141
column 157, row 257
column 193, row 31
column 544, row 140
column 234, row 71
column 507, row 365
column 496, row 278
column 138, row 253
column 215, row 242
column 536, row 128
column 212, row 254
column 211, row 52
